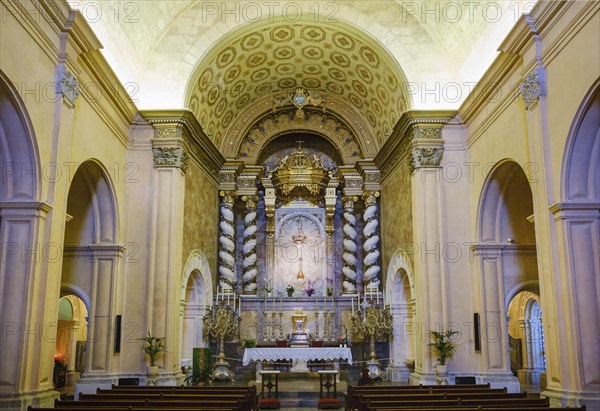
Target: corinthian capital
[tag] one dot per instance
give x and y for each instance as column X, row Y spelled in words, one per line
column 170, row 157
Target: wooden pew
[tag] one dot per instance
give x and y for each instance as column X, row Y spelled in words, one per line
column 368, row 403
column 216, row 389
column 352, row 402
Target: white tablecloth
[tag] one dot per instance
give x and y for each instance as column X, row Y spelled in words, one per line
column 291, row 354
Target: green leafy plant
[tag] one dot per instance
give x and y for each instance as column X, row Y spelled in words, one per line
column 153, row 346
column 290, row 289
column 442, row 345
column 250, row 343
column 201, row 375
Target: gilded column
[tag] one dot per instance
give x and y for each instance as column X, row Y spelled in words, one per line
column 350, row 246
column 249, row 247
column 227, row 242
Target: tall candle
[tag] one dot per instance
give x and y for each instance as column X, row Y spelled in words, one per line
column 265, row 308
column 227, row 297
column 332, row 303
column 377, row 292
column 217, row 293
column 280, row 304
column 273, row 305
column 352, row 299
column 316, row 304
column 324, row 304
column 240, row 307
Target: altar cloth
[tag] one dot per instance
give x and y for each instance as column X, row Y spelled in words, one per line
column 292, row 354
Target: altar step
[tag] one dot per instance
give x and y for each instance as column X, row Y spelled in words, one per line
column 302, row 400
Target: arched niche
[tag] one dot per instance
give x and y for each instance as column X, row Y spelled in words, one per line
column 19, row 160
column 581, row 168
column 91, row 204
column 526, row 337
column 506, row 203
column 196, row 298
column 400, row 295
column 91, row 257
column 578, row 221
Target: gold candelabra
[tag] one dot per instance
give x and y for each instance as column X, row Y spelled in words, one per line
column 222, row 322
column 373, row 321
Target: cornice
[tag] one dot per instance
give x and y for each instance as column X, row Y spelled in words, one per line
column 503, row 66
column 201, row 148
column 390, row 155
column 521, row 35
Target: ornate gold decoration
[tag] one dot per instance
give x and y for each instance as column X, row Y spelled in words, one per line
column 300, row 175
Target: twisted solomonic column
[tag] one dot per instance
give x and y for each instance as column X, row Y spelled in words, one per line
column 249, row 247
column 226, row 243
column 371, row 266
column 350, row 247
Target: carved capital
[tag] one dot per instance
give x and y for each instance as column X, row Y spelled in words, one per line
column 170, row 157
column 426, row 157
column 250, row 202
column 533, row 86
column 228, row 197
column 348, row 202
column 229, row 174
column 370, row 197
column 66, row 85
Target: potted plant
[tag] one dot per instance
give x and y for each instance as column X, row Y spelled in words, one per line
column 329, row 287
column 251, row 343
column 443, row 347
column 152, row 347
column 310, row 288
column 290, row 290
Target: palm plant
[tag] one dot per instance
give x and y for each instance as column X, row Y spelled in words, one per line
column 153, row 346
column 442, row 345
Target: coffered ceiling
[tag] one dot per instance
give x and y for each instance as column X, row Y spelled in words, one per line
column 380, row 56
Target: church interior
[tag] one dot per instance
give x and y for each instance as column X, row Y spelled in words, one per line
column 220, row 194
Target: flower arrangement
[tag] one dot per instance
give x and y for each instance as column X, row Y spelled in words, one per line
column 290, row 290
column 310, row 288
column 153, row 346
column 442, row 345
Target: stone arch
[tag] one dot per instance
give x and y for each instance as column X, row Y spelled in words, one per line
column 91, row 185
column 400, row 295
column 398, row 262
column 506, row 201
column 198, row 262
column 578, row 222
column 90, row 262
column 507, row 259
column 19, row 157
column 580, row 166
column 196, row 279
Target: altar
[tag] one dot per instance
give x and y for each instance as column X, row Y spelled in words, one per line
column 298, row 356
